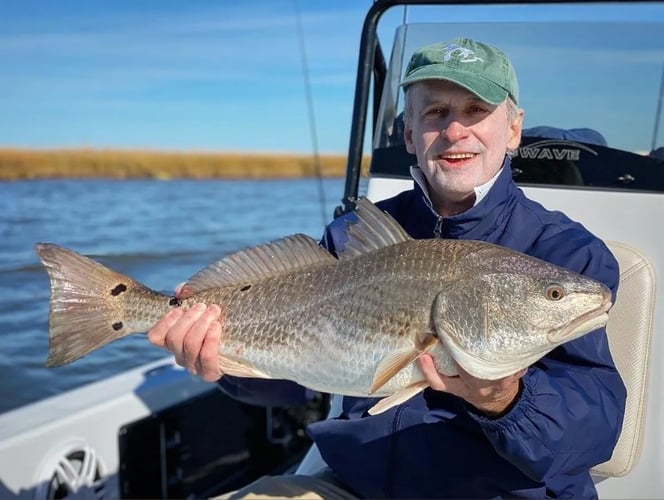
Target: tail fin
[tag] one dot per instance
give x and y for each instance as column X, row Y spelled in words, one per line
column 88, row 307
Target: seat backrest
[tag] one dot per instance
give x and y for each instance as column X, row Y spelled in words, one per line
column 630, row 329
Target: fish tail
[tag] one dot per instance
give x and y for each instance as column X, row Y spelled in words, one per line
column 91, row 305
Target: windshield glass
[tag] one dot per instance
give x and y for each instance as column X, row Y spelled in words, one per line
column 598, row 68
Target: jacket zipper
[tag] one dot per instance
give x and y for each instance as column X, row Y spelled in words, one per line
column 438, row 229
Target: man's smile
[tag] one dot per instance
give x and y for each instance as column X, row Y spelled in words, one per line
column 455, row 158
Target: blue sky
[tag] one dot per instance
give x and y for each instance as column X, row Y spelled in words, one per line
column 194, row 75
column 221, row 75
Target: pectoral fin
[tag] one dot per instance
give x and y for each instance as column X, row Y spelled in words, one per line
column 398, row 397
column 240, row 369
column 392, row 364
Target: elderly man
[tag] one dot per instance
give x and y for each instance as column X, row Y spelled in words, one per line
column 535, row 433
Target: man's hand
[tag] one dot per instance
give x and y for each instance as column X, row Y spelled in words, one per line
column 492, row 397
column 193, row 336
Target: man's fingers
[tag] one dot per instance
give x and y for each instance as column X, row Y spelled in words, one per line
column 175, row 337
column 157, row 334
column 208, row 366
column 430, row 373
column 193, row 340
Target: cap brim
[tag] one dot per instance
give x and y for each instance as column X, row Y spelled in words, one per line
column 483, row 88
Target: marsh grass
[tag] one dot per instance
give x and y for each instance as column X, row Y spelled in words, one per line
column 16, row 164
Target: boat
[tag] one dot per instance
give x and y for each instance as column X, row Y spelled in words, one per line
column 148, row 432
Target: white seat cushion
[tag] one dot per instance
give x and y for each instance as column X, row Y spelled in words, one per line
column 629, row 330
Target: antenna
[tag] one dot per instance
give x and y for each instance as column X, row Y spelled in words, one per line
column 310, row 109
column 658, row 113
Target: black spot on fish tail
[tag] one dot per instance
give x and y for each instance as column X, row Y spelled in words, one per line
column 245, row 288
column 117, row 326
column 119, row 289
column 175, row 302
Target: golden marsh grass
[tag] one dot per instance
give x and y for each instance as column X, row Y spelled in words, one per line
column 16, row 164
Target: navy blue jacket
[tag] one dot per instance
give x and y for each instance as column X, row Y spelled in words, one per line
column 567, row 417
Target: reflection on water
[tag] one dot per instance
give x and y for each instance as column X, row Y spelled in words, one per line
column 159, row 232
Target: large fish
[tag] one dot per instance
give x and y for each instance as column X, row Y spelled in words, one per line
column 352, row 325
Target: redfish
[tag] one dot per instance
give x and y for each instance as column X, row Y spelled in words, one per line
column 352, row 325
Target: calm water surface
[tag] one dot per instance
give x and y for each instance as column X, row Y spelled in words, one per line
column 159, row 232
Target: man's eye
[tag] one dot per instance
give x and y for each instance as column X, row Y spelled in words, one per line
column 435, row 112
column 477, row 109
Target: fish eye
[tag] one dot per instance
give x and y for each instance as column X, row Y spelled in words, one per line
column 555, row 292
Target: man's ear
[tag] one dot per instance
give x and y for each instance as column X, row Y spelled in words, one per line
column 408, row 139
column 515, row 131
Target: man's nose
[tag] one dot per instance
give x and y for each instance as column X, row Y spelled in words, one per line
column 454, row 131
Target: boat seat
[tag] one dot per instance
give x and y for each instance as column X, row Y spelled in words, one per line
column 630, row 329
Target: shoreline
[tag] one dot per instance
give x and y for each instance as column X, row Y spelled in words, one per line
column 32, row 164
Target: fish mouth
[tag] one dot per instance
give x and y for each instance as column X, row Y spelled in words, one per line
column 585, row 323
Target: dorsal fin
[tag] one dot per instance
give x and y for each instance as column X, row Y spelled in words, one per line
column 374, row 229
column 263, row 261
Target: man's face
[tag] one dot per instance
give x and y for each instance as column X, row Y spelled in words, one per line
column 460, row 141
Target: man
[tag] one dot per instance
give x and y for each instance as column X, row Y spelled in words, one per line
column 533, row 434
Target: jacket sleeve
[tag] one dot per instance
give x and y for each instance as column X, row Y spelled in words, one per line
column 568, row 416
column 261, row 392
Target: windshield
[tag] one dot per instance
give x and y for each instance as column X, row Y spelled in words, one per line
column 592, row 75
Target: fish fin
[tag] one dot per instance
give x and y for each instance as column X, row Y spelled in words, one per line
column 239, row 368
column 398, row 397
column 278, row 257
column 87, row 304
column 394, row 362
column 370, row 229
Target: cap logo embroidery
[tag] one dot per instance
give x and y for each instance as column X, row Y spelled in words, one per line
column 462, row 54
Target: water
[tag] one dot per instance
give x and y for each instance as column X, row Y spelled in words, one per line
column 159, row 232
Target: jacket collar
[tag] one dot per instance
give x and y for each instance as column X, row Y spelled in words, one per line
column 480, row 220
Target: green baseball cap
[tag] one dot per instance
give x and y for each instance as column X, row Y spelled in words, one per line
column 482, row 69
